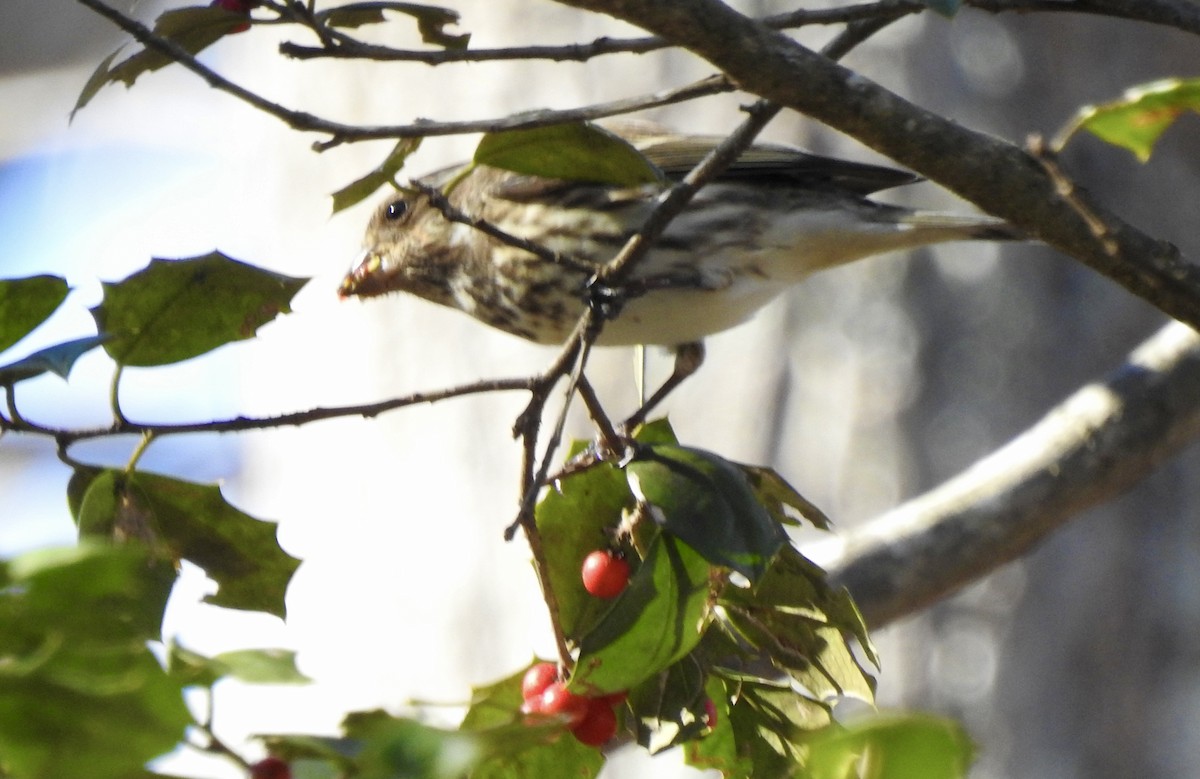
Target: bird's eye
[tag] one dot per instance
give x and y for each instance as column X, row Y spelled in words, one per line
column 396, row 210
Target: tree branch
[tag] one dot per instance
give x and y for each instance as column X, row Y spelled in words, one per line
column 997, row 176
column 1087, row 450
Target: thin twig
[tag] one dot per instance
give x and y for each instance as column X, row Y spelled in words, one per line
column 351, row 48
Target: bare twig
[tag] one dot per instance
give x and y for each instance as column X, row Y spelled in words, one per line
column 350, row 48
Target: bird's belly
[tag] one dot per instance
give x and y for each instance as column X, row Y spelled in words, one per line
column 678, row 316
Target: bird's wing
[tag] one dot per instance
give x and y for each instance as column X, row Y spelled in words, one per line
column 676, row 155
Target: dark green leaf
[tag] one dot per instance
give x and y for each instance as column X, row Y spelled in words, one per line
column 574, row 152
column 182, row 520
column 26, row 303
column 669, row 708
column 194, row 28
column 359, row 190
column 947, row 8
column 80, row 692
column 708, row 502
column 174, row 310
column 1141, row 116
column 57, row 359
column 913, row 746
column 657, row 619
column 253, row 666
column 431, row 20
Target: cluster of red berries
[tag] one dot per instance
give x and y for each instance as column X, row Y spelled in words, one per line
column 238, row 7
column 592, row 720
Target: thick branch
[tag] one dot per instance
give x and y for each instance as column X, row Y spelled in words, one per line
column 1089, row 449
column 1000, row 178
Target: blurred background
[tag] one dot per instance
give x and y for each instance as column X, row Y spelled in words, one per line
column 864, row 387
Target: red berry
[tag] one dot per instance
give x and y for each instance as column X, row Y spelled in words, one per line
column 615, row 698
column 537, row 679
column 598, row 725
column 710, row 713
column 557, row 699
column 270, row 768
column 238, row 7
column 605, row 574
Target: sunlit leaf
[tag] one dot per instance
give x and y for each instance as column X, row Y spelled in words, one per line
column 1139, row 118
column 360, row 189
column 574, row 152
column 656, row 620
column 174, row 310
column 912, row 746
column 26, row 303
column 777, row 496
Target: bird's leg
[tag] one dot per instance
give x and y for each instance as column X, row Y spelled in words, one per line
column 688, row 359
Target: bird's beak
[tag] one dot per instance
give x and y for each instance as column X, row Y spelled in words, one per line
column 366, row 278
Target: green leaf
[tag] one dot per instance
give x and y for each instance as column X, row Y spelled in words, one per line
column 912, row 746
column 1137, row 120
column 575, row 517
column 390, row 747
column 253, row 666
column 57, row 359
column 174, row 310
column 194, row 28
column 80, row 692
column 947, row 8
column 799, row 622
column 656, row 620
column 512, row 747
column 26, row 303
column 431, row 20
column 574, row 152
column 709, row 503
column 777, row 496
column 360, row 189
column 669, row 708
column 193, row 522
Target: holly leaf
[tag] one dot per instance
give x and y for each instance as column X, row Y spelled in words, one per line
column 657, row 619
column 431, row 20
column 670, row 708
column 777, row 497
column 362, row 188
column 574, row 152
column 252, row 666
column 194, row 29
column 81, row 694
column 183, row 520
column 707, row 502
column 1139, row 118
column 174, row 310
column 57, row 359
column 26, row 303
column 910, row 746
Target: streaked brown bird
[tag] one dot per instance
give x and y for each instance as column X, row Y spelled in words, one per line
column 772, row 218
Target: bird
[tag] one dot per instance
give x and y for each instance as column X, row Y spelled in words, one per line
column 768, row 221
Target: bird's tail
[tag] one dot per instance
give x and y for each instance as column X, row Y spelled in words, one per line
column 941, row 226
